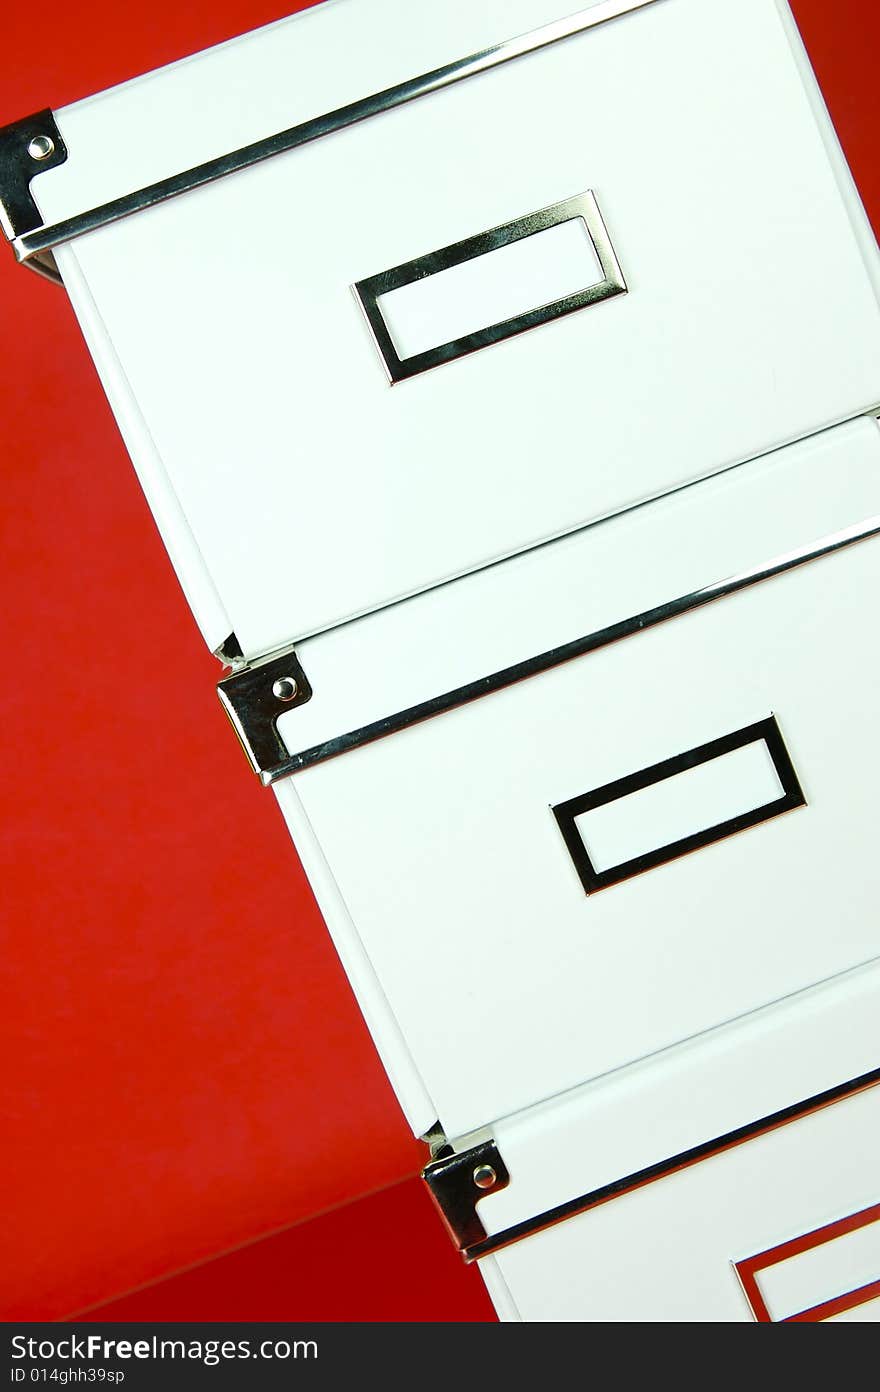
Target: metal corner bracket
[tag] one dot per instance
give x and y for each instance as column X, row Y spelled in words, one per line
column 27, row 148
column 254, row 697
column 457, row 1182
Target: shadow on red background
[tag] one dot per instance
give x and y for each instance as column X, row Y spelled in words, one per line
column 185, row 1066
column 383, row 1257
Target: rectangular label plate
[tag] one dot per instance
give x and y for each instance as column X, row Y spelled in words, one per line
column 822, row 1275
column 568, row 295
column 701, row 796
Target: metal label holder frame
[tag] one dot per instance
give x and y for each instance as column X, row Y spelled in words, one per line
column 370, row 291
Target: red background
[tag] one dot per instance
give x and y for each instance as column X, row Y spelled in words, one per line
column 185, row 1070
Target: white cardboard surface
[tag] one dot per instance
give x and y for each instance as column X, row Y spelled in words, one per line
column 313, row 490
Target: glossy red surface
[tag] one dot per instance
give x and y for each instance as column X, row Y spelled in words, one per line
column 185, row 1069
column 383, row 1257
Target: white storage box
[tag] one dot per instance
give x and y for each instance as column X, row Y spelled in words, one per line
column 504, row 387
column 707, row 1185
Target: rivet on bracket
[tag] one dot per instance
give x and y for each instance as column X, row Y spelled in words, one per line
column 458, row 1182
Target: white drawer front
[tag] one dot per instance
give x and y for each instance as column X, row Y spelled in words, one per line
column 312, row 488
column 509, row 982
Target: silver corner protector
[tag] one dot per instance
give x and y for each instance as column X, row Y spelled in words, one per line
column 253, row 698
column 27, row 148
column 457, row 1182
